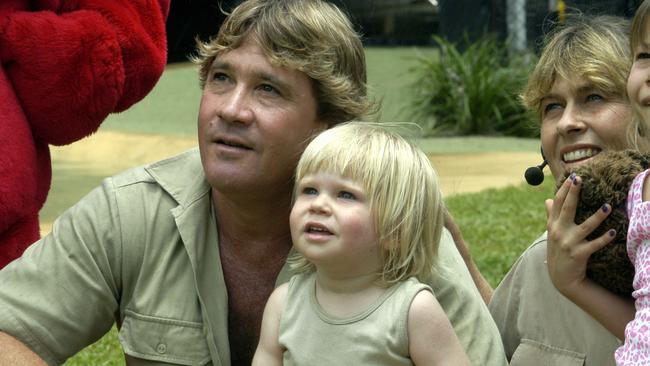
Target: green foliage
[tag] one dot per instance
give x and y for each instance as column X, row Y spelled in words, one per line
column 474, row 92
column 499, row 224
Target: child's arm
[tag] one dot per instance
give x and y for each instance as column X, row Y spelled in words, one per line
column 567, row 253
column 269, row 352
column 432, row 340
column 636, row 349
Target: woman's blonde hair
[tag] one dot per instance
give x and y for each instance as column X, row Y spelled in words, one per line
column 594, row 48
column 311, row 36
column 402, row 188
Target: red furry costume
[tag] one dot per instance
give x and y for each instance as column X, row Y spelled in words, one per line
column 66, row 64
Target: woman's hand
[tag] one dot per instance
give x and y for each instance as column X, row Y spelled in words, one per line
column 568, row 248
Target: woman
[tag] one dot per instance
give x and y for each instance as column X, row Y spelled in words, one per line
column 578, row 91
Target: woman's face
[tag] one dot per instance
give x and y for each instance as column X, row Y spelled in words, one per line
column 579, row 121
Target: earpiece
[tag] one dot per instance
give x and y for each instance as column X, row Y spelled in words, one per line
column 535, row 174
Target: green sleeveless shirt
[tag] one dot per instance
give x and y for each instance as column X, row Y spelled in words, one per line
column 376, row 336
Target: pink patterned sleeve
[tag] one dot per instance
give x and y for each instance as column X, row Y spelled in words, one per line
column 636, row 349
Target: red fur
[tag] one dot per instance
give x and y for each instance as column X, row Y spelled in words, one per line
column 66, row 64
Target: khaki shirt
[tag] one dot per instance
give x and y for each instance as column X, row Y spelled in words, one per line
column 141, row 250
column 539, row 326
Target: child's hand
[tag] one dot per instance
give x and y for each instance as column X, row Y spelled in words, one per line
column 567, row 248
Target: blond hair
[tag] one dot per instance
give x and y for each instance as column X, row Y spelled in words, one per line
column 311, row 36
column 594, row 48
column 402, row 186
column 591, row 47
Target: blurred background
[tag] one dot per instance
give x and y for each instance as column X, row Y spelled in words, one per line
column 409, row 22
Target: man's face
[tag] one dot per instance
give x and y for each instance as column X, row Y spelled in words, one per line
column 254, row 121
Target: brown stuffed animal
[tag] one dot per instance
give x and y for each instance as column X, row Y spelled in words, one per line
column 607, row 179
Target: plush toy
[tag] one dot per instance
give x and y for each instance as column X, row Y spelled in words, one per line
column 66, row 64
column 607, row 179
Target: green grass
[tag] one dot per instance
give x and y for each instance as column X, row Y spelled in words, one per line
column 104, row 352
column 388, row 78
column 476, row 144
column 171, row 108
column 498, row 224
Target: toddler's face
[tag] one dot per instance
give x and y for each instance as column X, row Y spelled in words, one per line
column 638, row 87
column 332, row 225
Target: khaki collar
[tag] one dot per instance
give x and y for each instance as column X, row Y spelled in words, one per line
column 181, row 176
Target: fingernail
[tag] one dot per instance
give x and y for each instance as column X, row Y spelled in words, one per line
column 605, row 208
column 611, row 232
column 573, row 177
column 576, row 181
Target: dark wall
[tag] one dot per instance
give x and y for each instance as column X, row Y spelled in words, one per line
column 190, row 18
column 471, row 19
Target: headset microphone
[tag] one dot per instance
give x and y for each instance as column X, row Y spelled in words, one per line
column 535, row 174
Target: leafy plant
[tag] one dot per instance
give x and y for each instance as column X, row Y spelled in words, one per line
column 474, row 92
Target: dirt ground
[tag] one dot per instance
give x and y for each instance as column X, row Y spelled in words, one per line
column 107, row 152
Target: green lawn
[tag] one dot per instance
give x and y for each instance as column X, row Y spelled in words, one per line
column 499, row 224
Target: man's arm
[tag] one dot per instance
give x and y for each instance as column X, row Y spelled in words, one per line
column 14, row 352
column 481, row 283
column 62, row 294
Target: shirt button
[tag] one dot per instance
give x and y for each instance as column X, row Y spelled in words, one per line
column 161, row 348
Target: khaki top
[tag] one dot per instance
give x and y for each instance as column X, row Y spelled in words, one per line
column 379, row 333
column 141, row 250
column 539, row 326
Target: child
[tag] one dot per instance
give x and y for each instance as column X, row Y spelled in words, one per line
column 567, row 262
column 366, row 222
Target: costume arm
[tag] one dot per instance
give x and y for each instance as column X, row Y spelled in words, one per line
column 481, row 283
column 269, row 352
column 63, row 293
column 432, row 340
column 72, row 63
column 567, row 256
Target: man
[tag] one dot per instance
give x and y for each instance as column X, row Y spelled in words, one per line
column 183, row 253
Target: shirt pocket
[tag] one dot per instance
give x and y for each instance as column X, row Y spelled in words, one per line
column 533, row 353
column 164, row 340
